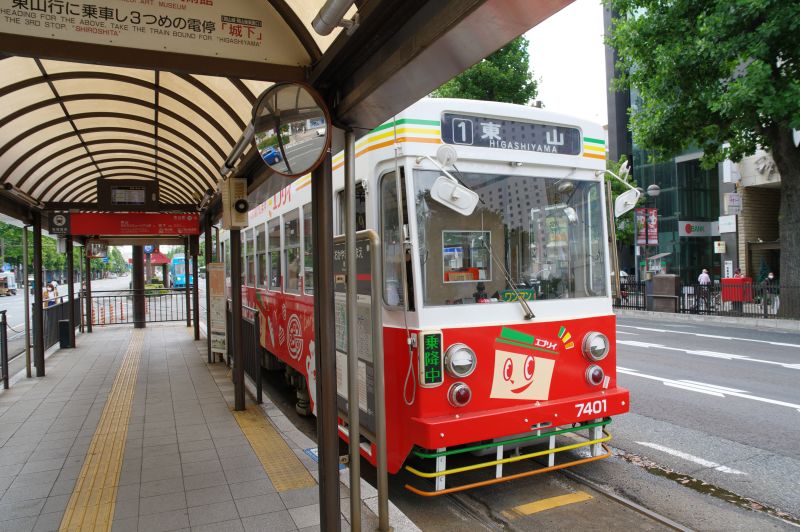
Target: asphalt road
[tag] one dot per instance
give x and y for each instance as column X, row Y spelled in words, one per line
column 719, row 403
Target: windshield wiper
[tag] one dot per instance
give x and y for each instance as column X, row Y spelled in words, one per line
column 525, row 307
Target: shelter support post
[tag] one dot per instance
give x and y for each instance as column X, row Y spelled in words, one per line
column 187, row 284
column 38, row 285
column 207, row 251
column 27, row 301
column 195, row 247
column 138, row 287
column 324, row 345
column 165, row 276
column 88, row 290
column 236, row 319
column 354, row 422
column 71, row 291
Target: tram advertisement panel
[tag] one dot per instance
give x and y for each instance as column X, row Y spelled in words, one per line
column 366, row 367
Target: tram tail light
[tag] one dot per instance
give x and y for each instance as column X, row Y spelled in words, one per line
column 595, row 375
column 459, row 394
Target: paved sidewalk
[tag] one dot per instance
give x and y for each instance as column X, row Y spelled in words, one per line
column 186, row 462
column 754, row 323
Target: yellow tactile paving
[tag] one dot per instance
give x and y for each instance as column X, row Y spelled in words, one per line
column 546, row 504
column 284, row 468
column 91, row 506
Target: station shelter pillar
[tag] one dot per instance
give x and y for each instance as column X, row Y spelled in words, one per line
column 71, row 291
column 207, row 252
column 194, row 247
column 87, row 291
column 187, row 285
column 138, row 287
column 38, row 303
column 236, row 319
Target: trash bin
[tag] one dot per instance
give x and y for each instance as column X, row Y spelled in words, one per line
column 63, row 334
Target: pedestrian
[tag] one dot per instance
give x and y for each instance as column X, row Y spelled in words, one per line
column 738, row 293
column 770, row 291
column 737, row 274
column 704, row 280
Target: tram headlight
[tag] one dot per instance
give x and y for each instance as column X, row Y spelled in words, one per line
column 595, row 375
column 459, row 394
column 595, row 346
column 460, row 361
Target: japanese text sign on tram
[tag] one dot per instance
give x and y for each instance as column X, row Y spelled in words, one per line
column 431, row 362
column 134, row 223
column 498, row 133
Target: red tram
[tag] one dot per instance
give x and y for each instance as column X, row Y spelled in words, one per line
column 504, row 346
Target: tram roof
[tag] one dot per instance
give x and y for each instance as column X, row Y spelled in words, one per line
column 75, row 110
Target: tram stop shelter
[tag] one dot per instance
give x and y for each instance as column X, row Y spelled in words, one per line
column 117, row 107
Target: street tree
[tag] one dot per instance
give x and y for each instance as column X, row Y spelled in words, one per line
column 504, row 76
column 724, row 77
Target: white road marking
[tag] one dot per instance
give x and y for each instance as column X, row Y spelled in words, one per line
column 692, row 458
column 715, row 336
column 709, row 389
column 623, row 332
column 703, row 353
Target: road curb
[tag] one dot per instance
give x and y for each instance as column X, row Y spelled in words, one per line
column 758, row 323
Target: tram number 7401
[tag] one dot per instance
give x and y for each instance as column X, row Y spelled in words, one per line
column 592, row 408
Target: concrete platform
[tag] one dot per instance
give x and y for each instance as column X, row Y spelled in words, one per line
column 133, row 430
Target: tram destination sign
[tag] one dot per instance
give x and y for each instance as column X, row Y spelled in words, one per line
column 134, row 224
column 497, row 133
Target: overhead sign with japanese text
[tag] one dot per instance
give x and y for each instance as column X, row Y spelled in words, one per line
column 233, row 29
column 489, row 132
column 134, row 224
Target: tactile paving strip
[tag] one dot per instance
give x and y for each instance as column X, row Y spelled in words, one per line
column 284, row 468
column 91, row 506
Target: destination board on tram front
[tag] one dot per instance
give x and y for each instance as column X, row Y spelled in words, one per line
column 497, row 133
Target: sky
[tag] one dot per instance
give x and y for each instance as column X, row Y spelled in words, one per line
column 567, row 56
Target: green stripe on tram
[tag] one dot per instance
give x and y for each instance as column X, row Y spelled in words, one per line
column 471, row 448
column 594, row 141
column 402, row 121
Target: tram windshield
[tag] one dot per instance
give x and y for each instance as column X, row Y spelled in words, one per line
column 530, row 237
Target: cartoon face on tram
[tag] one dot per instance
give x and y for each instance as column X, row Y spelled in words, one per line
column 497, row 318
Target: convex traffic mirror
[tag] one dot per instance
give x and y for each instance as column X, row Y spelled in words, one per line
column 290, row 129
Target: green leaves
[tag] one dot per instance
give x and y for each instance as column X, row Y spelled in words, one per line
column 707, row 72
column 502, row 77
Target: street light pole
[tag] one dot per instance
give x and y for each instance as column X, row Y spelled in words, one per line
column 652, row 192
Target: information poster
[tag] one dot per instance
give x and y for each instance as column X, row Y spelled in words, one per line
column 217, row 329
column 233, row 29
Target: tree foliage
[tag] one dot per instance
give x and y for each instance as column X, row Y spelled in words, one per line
column 504, row 76
column 721, row 75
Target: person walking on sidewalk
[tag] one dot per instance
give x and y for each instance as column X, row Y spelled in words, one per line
column 704, row 295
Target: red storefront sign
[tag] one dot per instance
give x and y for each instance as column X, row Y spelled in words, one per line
column 133, row 224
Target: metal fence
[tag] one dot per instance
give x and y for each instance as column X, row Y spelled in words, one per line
column 52, row 315
column 729, row 299
column 632, row 294
column 251, row 345
column 112, row 307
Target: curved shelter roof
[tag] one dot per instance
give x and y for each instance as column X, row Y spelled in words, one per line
column 65, row 126
column 161, row 91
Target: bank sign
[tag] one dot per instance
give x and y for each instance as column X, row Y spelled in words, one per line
column 697, row 229
column 496, row 133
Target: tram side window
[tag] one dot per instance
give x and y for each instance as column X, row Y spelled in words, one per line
column 251, row 258
column 361, row 209
column 308, row 252
column 291, row 235
column 261, row 254
column 274, row 253
column 394, row 256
